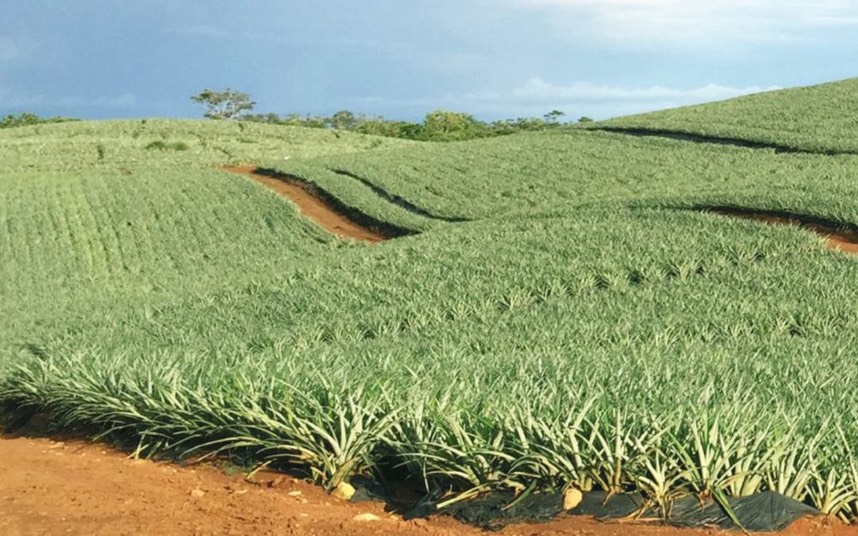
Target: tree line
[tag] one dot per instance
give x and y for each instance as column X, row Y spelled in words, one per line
column 26, row 119
column 439, row 125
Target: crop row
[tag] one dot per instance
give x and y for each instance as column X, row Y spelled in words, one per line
column 583, row 330
column 727, row 381
column 532, row 419
column 521, row 176
column 817, row 119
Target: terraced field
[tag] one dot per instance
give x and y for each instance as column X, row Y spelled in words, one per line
column 572, row 308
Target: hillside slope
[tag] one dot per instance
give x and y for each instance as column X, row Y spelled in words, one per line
column 822, row 118
column 98, row 215
column 572, row 312
column 529, row 173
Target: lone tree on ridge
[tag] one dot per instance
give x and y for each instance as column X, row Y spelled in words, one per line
column 227, row 104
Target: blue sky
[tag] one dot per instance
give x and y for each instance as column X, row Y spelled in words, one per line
column 402, row 58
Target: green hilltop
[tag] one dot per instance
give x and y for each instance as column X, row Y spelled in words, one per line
column 822, row 118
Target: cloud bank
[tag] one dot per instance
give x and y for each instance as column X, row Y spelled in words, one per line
column 538, row 91
column 536, row 97
column 693, row 22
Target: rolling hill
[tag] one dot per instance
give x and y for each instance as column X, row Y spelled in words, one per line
column 572, row 308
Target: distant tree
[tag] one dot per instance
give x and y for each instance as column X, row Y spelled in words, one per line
column 439, row 125
column 529, row 123
column 343, row 120
column 410, row 131
column 227, row 104
column 313, row 121
column 293, row 120
column 553, row 117
column 585, row 119
column 26, row 119
column 379, row 126
column 444, row 125
column 271, row 118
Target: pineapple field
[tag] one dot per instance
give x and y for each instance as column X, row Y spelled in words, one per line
column 661, row 306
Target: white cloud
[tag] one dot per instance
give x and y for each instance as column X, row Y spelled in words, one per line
column 601, row 101
column 536, row 97
column 692, row 22
column 537, row 90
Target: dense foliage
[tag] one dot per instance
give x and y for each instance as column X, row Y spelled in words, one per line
column 569, row 316
column 439, row 125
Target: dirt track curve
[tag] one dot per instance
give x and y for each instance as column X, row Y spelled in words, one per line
column 55, row 488
column 310, row 205
column 837, row 237
column 337, row 222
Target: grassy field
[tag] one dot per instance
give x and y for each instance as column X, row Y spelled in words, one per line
column 570, row 314
column 815, row 119
column 95, row 217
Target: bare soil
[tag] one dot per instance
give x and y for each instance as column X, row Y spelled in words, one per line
column 837, row 238
column 51, row 487
column 310, row 205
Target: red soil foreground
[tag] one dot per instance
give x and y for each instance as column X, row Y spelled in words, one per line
column 310, row 205
column 50, row 487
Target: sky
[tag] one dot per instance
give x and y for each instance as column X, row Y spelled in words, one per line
column 400, row 59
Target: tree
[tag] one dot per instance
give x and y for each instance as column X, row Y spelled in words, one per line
column 343, row 120
column 227, row 104
column 553, row 117
column 444, row 125
column 271, row 118
column 26, row 119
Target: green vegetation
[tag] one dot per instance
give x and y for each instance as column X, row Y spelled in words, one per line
column 523, row 175
column 75, row 146
column 228, row 104
column 162, row 146
column 821, row 118
column 439, row 125
column 588, row 326
column 93, row 220
column 27, row 119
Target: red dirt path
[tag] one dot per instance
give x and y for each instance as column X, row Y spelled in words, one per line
column 51, row 488
column 310, row 205
column 842, row 240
